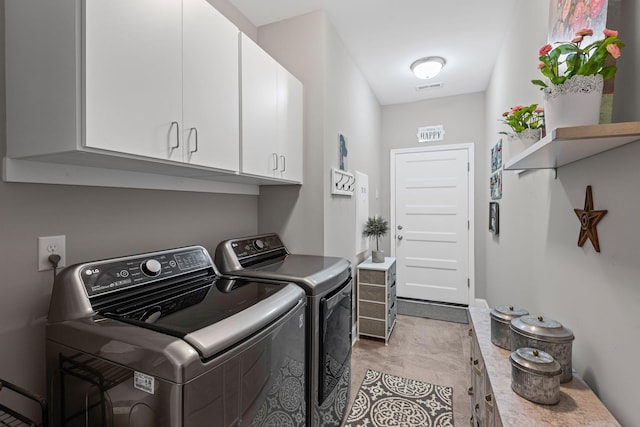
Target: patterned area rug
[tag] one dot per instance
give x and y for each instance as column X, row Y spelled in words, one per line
column 385, row 400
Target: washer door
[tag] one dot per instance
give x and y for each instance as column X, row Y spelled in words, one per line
column 335, row 344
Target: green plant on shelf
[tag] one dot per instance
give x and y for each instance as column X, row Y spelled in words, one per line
column 568, row 59
column 521, row 118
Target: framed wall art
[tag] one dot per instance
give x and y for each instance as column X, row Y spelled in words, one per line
column 494, row 217
column 496, row 156
column 495, row 185
column 566, row 17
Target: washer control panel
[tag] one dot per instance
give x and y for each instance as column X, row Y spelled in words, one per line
column 114, row 275
column 246, row 248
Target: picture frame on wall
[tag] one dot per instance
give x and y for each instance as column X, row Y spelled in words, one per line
column 566, row 17
column 495, row 185
column 496, row 156
column 494, row 217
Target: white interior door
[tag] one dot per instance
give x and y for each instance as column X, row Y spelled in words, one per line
column 432, row 223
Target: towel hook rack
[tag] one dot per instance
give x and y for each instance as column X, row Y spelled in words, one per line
column 342, row 182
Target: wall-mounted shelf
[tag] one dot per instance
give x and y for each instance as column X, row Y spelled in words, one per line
column 566, row 145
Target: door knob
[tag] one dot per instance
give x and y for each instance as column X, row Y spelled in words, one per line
column 399, row 237
column 399, row 227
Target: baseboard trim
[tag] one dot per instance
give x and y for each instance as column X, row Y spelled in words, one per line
column 481, row 303
column 433, row 310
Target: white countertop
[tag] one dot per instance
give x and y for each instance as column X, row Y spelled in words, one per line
column 579, row 406
column 383, row 266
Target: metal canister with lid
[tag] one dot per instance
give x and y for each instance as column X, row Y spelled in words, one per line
column 547, row 335
column 535, row 375
column 501, row 318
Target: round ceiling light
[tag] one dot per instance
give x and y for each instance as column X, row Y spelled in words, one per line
column 429, row 67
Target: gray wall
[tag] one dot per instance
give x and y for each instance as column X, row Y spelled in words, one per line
column 337, row 99
column 535, row 261
column 353, row 110
column 463, row 120
column 98, row 223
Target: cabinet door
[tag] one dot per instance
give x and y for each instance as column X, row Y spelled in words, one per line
column 290, row 108
column 211, row 88
column 259, row 110
column 133, row 76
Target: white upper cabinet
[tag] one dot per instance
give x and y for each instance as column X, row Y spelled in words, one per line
column 137, row 78
column 148, row 86
column 211, row 122
column 162, row 83
column 133, row 76
column 290, row 119
column 271, row 116
column 259, row 110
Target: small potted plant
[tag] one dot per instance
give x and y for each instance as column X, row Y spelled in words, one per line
column 376, row 227
column 575, row 76
column 526, row 122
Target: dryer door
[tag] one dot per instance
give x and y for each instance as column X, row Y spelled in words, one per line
column 335, row 345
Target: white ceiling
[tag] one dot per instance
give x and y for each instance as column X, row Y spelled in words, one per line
column 385, row 36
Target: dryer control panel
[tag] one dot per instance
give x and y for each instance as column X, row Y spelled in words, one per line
column 103, row 277
column 246, row 248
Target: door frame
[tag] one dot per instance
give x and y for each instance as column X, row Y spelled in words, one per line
column 469, row 147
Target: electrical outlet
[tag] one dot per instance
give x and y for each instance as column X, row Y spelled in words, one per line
column 48, row 246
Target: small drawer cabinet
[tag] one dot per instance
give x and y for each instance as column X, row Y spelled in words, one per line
column 377, row 307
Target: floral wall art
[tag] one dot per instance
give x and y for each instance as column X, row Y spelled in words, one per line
column 566, row 17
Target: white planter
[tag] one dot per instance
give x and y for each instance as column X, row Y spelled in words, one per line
column 576, row 102
column 377, row 256
column 527, row 137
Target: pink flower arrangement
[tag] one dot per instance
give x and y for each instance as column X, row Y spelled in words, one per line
column 568, row 59
column 520, row 118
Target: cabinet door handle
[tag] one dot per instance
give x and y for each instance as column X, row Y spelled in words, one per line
column 275, row 162
column 171, row 148
column 196, row 144
column 284, row 163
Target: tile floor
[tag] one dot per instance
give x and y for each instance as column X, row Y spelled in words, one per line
column 428, row 350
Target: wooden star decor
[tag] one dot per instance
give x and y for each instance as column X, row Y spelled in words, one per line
column 589, row 218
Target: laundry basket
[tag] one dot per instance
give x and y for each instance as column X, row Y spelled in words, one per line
column 12, row 418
